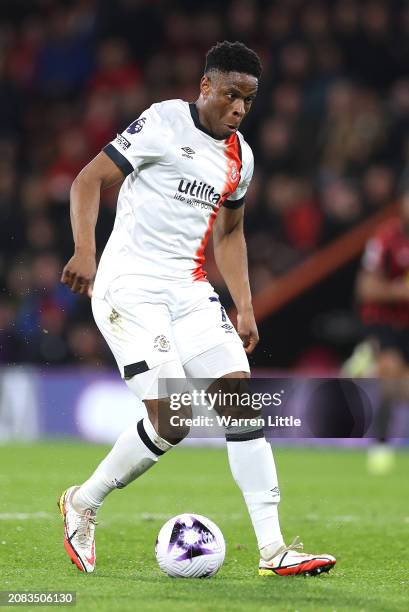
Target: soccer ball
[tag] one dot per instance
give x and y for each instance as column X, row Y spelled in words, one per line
column 190, row 546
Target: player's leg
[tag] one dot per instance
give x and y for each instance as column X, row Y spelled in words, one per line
column 253, row 468
column 136, row 450
column 140, row 446
column 383, row 353
column 391, row 370
column 210, row 349
column 250, row 455
column 390, row 367
column 207, row 331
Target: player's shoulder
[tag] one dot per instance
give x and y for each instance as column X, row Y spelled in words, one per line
column 389, row 230
column 166, row 119
column 169, row 110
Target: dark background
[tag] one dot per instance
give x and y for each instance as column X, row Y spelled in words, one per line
column 329, row 131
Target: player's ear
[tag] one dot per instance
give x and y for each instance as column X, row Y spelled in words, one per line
column 205, row 86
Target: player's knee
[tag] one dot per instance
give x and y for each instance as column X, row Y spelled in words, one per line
column 173, row 425
column 232, row 396
column 177, row 434
column 390, row 364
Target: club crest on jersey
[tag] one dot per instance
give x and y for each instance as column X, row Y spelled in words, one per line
column 161, row 344
column 233, row 172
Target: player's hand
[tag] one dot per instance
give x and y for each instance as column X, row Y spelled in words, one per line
column 79, row 273
column 247, row 330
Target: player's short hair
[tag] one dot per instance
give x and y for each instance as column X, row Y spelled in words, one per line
column 233, row 57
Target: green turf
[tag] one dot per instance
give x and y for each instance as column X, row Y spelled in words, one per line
column 328, row 499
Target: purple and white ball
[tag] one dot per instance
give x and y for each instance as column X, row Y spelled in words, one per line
column 190, row 546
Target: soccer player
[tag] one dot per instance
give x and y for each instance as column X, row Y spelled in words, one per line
column 383, row 294
column 185, row 169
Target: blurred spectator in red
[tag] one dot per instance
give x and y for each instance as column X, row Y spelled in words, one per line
column 23, row 58
column 383, row 295
column 115, row 73
column 294, row 210
column 100, row 121
column 72, row 155
column 302, row 221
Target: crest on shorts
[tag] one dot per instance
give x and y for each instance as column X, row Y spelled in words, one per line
column 114, row 316
column 162, row 344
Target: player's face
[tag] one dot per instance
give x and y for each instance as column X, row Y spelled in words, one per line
column 226, row 98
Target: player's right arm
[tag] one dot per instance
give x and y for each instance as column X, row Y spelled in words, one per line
column 99, row 174
column 374, row 287
column 144, row 141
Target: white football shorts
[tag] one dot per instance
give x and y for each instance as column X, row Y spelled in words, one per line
column 158, row 331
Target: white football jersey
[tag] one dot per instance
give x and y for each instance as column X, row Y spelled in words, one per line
column 177, row 178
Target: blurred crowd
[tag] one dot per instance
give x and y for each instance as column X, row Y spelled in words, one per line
column 329, row 131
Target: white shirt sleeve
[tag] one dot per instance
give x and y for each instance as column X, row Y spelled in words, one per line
column 374, row 254
column 143, row 142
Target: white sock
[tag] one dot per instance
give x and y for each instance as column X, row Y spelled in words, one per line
column 253, row 468
column 136, row 450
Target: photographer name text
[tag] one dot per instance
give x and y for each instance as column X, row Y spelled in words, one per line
column 229, row 421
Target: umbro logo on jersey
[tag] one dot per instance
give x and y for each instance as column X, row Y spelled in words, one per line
column 188, row 152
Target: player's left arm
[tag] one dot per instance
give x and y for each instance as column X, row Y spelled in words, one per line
column 230, row 252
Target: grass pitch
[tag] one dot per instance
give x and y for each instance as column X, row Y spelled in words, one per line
column 328, row 499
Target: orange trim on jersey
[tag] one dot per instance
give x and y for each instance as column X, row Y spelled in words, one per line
column 233, row 172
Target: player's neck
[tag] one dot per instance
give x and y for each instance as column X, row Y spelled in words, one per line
column 201, row 120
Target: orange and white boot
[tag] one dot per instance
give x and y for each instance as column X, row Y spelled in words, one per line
column 288, row 561
column 79, row 528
